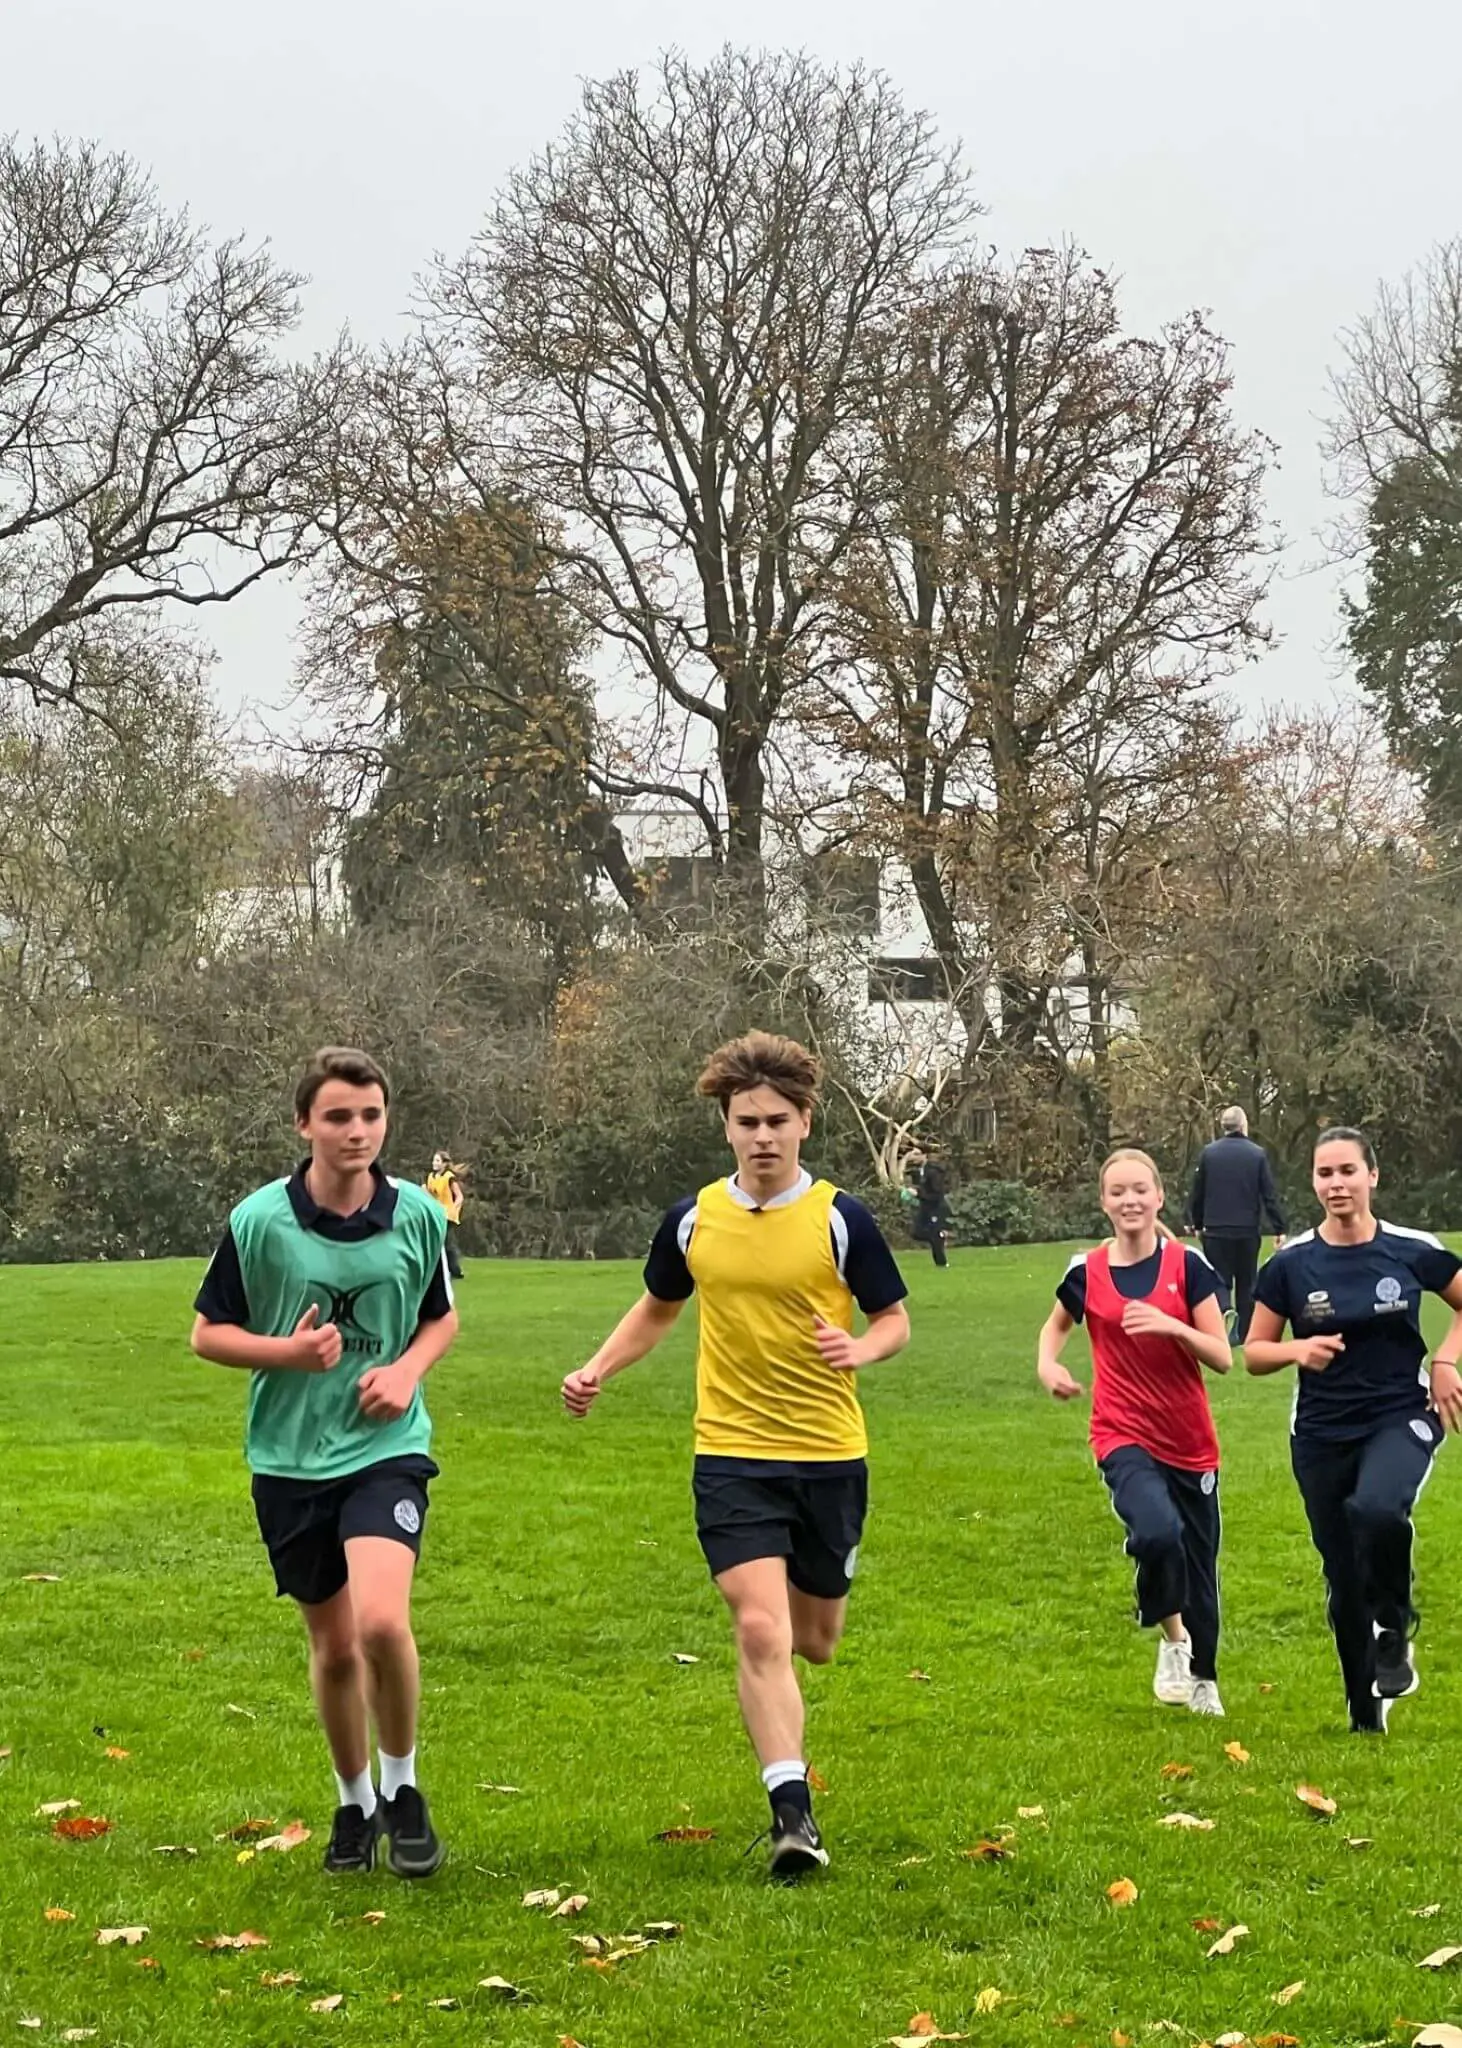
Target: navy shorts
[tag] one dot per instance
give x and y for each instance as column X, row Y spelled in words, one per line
column 306, row 1523
column 811, row 1514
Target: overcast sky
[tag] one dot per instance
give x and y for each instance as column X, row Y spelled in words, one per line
column 1269, row 162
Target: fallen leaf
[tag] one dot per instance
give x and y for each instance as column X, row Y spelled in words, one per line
column 571, row 1907
column 244, row 1713
column 373, row 1919
column 245, row 1831
column 1207, row 1925
column 1030, row 1812
column 987, row 2001
column 280, row 1980
column 1187, row 1820
column 921, row 1678
column 1289, row 1994
column 510, row 1994
column 988, row 1851
column 1123, row 1892
column 1231, row 2041
column 29, row 2021
column 80, row 1828
column 248, row 1939
column 1227, row 1943
column 56, row 1914
column 505, row 1791
column 148, row 1963
column 118, row 1756
column 1359, row 1842
column 1266, row 1688
column 331, row 2004
column 246, row 1856
column 908, row 1862
column 1067, row 2019
column 1176, row 1771
column 444, row 2005
column 6, row 1752
column 54, row 1806
column 41, row 1579
column 1236, row 1753
column 194, row 1656
column 1439, row 1959
column 1120, row 2040
column 686, row 1835
column 1314, row 1798
column 1276, row 2041
column 78, row 2034
column 287, row 1838
column 1425, row 1912
column 394, row 1997
column 174, row 1849
column 1440, row 2035
column 816, row 1782
column 663, row 1930
column 567, row 2040
column 129, row 1937
column 542, row 1900
column 682, row 1658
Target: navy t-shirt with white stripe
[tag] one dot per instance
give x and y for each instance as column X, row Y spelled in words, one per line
column 1369, row 1294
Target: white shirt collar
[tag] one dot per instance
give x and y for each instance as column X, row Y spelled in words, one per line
column 789, row 1195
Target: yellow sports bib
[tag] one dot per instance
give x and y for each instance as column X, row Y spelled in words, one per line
column 439, row 1186
column 763, row 1389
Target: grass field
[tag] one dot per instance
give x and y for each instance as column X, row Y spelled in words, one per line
column 561, row 1578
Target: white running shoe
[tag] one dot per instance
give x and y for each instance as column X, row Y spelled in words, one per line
column 1205, row 1699
column 1173, row 1680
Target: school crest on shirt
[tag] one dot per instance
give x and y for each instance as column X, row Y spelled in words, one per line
column 1389, row 1295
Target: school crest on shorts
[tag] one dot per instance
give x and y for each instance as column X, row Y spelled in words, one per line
column 1208, row 1482
column 407, row 1516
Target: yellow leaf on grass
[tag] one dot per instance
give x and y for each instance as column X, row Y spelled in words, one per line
column 1123, row 1892
column 246, row 1856
column 56, row 1914
column 118, row 1756
column 986, row 2001
column 1187, row 1820
column 1030, row 1812
column 1227, row 1943
column 280, row 1980
column 1289, row 1994
column 1120, row 2040
column 1314, row 1798
column 1439, row 1959
column 1276, row 2041
column 128, row 1937
column 373, row 1919
column 921, row 1678
column 1236, row 1753
column 1176, row 1771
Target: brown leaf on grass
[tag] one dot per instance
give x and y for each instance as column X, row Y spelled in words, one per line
column 118, row 1756
column 686, row 1835
column 1236, row 1753
column 1266, row 1688
column 280, row 1980
column 1120, row 2040
column 1289, row 1994
column 1187, row 1820
column 57, row 1914
column 542, row 1901
column 215, row 1943
column 128, row 1937
column 6, row 1752
column 990, row 1850
column 1227, row 1943
column 924, row 2027
column 1276, row 2041
column 194, row 1656
column 510, row 1994
column 245, row 1831
column 81, row 1827
column 570, row 1908
column 1314, row 1798
column 1439, row 1959
column 816, row 1782
column 373, row 1919
column 331, row 2004
column 921, row 1678
column 55, row 1806
column 1176, row 1771
column 149, row 1963
column 568, row 2041
column 1207, row 1925
column 1067, row 2019
column 1123, row 1892
column 287, row 1838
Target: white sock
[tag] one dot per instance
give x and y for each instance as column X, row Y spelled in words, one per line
column 357, row 1792
column 792, row 1772
column 397, row 1772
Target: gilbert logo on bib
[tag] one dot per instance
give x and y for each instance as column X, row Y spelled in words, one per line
column 1388, row 1295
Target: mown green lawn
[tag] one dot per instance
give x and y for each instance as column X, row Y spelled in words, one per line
column 561, row 1578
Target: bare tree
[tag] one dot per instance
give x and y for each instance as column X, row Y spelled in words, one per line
column 667, row 313
column 149, row 425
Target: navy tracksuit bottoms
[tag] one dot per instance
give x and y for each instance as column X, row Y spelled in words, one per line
column 1173, row 1529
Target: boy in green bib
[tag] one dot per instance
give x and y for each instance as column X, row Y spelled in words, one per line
column 331, row 1289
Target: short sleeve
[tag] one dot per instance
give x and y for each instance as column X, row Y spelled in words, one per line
column 1271, row 1289
column 437, row 1301
column 222, row 1298
column 1072, row 1291
column 1200, row 1282
column 667, row 1274
column 1435, row 1267
column 870, row 1269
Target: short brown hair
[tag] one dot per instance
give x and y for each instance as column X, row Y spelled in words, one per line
column 762, row 1059
column 337, row 1063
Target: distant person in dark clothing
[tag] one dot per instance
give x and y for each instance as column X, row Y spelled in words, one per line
column 1233, row 1194
column 930, row 1183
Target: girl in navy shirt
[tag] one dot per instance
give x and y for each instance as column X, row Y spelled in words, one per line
column 1368, row 1418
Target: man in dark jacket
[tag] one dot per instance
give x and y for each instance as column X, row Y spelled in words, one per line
column 1233, row 1194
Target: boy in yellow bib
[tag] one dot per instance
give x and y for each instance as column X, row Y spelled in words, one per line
column 781, row 1480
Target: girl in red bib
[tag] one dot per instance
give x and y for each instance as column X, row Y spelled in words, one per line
column 1152, row 1314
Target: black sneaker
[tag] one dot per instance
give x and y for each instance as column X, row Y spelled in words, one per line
column 796, row 1844
column 412, row 1848
column 352, row 1841
column 1395, row 1672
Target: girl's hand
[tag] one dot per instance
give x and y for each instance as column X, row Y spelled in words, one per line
column 1058, row 1382
column 838, row 1347
column 1313, row 1354
column 1446, row 1395
column 1141, row 1319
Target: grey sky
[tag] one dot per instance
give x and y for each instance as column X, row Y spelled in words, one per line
column 1267, row 161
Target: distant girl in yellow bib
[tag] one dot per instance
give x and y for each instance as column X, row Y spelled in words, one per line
column 778, row 1261
column 443, row 1185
